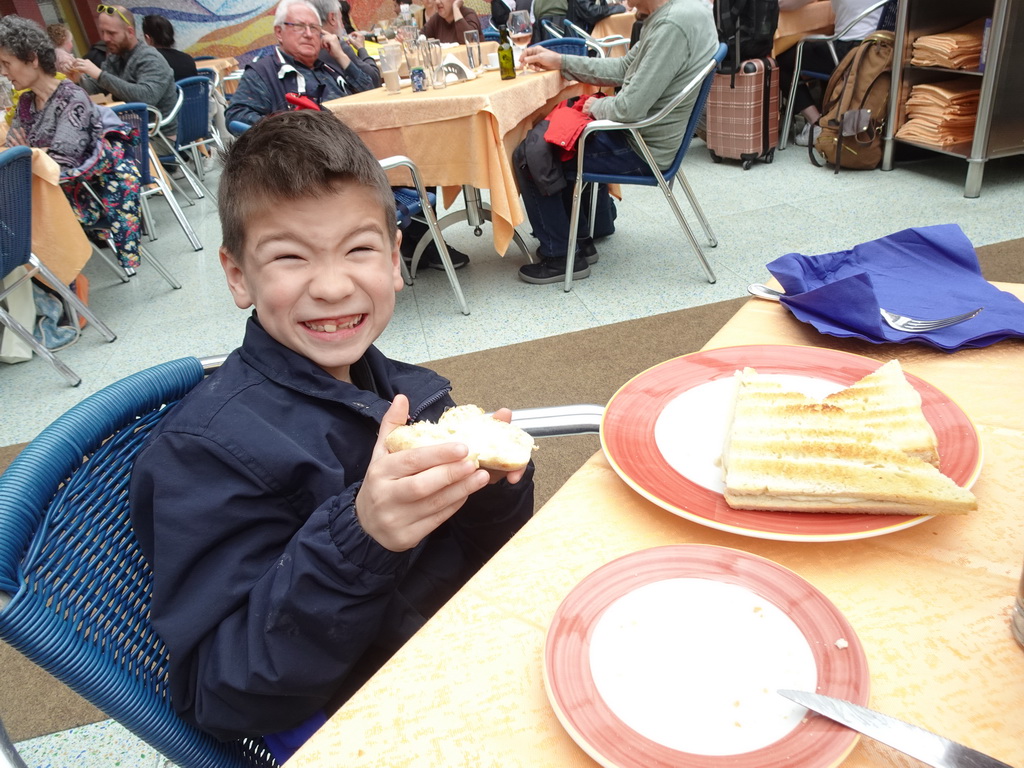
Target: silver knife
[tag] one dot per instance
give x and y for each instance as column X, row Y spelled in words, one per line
column 923, row 745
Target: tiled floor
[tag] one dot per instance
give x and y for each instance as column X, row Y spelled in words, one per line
column 646, row 268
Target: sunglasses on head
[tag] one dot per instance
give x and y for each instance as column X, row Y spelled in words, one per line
column 101, row 8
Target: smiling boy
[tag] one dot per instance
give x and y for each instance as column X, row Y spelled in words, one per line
column 291, row 553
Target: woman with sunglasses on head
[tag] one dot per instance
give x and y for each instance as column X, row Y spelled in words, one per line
column 86, row 141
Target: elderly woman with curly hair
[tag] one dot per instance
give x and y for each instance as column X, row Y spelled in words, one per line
column 88, row 142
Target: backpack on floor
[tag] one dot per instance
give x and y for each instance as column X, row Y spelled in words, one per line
column 748, row 28
column 856, row 105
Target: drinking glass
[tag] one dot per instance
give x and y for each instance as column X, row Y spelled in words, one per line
column 520, row 29
column 473, row 54
column 433, row 58
column 390, row 62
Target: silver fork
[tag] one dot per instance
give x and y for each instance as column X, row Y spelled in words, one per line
column 899, row 322
column 912, row 325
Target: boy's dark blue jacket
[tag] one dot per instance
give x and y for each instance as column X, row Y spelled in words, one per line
column 272, row 601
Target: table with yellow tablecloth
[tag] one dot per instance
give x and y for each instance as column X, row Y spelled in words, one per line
column 223, row 67
column 461, row 135
column 813, row 19
column 57, row 236
column 620, row 24
column 930, row 604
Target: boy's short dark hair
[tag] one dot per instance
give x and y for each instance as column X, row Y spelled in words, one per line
column 291, row 156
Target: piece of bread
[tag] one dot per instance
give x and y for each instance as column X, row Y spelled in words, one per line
column 866, row 449
column 492, row 444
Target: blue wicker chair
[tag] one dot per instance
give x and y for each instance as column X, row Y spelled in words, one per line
column 572, row 46
column 74, row 586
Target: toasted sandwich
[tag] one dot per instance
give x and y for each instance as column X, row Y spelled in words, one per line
column 865, row 449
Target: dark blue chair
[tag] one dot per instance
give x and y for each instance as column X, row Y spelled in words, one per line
column 886, row 21
column 16, row 251
column 192, row 113
column 573, row 46
column 136, row 114
column 658, row 178
column 74, row 586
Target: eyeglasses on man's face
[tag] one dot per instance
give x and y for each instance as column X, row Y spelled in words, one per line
column 101, row 8
column 309, row 29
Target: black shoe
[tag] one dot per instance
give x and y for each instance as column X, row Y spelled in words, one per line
column 550, row 271
column 432, row 259
column 585, row 249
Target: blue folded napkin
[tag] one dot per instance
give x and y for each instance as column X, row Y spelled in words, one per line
column 923, row 272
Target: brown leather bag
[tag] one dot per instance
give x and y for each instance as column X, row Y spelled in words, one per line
column 856, row 106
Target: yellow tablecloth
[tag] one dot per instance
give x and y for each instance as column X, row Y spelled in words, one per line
column 814, row 18
column 224, row 66
column 930, row 604
column 461, row 135
column 57, row 237
column 616, row 24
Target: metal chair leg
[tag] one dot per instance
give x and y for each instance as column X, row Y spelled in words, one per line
column 475, row 213
column 9, row 757
column 159, row 267
column 26, row 335
column 104, row 257
column 178, row 213
column 705, row 225
column 71, row 298
column 787, row 123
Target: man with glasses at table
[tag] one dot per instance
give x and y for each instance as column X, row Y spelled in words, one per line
column 132, row 71
column 294, row 66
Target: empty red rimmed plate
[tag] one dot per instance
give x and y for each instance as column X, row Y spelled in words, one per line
column 672, row 656
column 663, row 433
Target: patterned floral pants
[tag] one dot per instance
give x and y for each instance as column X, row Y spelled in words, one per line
column 115, row 180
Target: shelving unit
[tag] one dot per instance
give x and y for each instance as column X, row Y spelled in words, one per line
column 999, row 130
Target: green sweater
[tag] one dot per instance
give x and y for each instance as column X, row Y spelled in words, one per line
column 678, row 40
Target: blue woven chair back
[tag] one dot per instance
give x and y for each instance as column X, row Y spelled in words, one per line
column 491, row 34
column 573, row 46
column 209, row 74
column 15, row 208
column 194, row 115
column 691, row 127
column 135, row 115
column 79, row 584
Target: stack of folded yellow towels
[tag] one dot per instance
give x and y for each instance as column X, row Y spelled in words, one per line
column 942, row 114
column 956, row 49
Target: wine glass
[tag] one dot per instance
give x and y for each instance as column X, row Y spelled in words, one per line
column 520, row 29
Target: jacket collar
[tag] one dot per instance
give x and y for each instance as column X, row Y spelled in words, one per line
column 290, row 369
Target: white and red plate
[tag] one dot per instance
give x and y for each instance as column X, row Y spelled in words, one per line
column 663, row 432
column 672, row 656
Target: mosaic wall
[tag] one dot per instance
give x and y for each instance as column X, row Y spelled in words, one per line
column 241, row 28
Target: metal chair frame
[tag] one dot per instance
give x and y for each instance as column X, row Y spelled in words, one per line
column 146, row 256
column 603, row 45
column 572, row 46
column 830, row 41
column 215, row 88
column 426, row 214
column 156, row 126
column 16, row 251
column 662, row 179
column 137, row 114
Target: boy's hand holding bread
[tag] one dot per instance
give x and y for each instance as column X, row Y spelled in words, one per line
column 421, row 474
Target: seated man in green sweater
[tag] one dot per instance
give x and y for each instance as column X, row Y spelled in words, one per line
column 678, row 39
